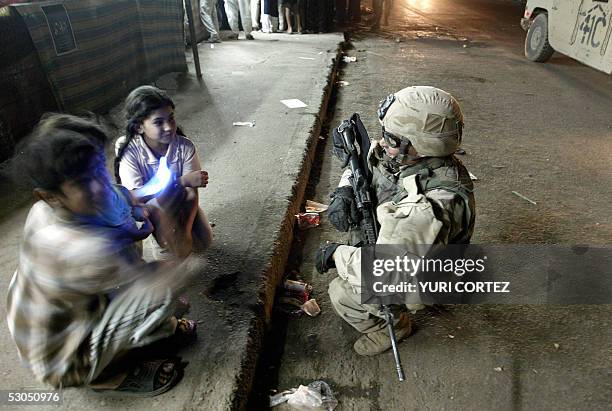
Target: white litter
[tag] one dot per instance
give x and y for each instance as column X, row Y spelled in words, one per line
column 498, row 369
column 314, row 207
column 316, row 396
column 212, row 46
column 349, row 59
column 311, row 308
column 244, row 123
column 306, row 58
column 294, row 103
column 343, row 83
column 473, row 177
column 524, row 198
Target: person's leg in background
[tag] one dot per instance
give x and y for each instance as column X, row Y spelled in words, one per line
column 327, row 13
column 255, row 13
column 300, row 15
column 272, row 11
column 282, row 24
column 232, row 11
column 341, row 12
column 287, row 14
column 266, row 23
column 377, row 7
column 269, row 16
column 387, row 12
column 355, row 11
column 321, row 16
column 310, row 25
column 245, row 17
column 221, row 16
column 208, row 16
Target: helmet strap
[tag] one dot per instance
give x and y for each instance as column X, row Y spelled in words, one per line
column 404, row 158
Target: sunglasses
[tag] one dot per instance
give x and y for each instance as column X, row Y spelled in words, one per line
column 392, row 140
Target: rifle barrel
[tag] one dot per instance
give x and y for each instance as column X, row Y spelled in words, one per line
column 361, row 190
column 396, row 356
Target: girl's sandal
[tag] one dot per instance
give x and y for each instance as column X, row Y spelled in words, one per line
column 148, row 379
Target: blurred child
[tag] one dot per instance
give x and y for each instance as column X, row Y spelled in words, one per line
column 78, row 249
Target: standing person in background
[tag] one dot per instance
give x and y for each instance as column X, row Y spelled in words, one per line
column 208, row 15
column 348, row 11
column 290, row 8
column 319, row 15
column 239, row 9
column 256, row 13
column 382, row 8
column 269, row 16
column 282, row 24
column 354, row 11
column 341, row 12
column 300, row 15
column 221, row 16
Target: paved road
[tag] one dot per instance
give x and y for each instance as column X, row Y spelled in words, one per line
column 543, row 130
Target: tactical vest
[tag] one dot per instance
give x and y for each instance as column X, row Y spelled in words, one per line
column 435, row 173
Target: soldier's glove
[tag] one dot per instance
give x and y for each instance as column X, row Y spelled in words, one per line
column 342, row 211
column 324, row 258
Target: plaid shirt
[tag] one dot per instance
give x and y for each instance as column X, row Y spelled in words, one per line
column 59, row 291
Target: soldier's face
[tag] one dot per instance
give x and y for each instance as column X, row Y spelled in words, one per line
column 391, row 151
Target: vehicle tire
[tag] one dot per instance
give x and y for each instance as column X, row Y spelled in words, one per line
column 537, row 47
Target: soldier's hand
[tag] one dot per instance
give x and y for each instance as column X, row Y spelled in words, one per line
column 342, row 211
column 324, row 258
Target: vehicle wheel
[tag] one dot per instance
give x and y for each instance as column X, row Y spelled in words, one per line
column 537, row 47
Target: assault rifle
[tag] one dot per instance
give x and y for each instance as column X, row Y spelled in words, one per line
column 347, row 137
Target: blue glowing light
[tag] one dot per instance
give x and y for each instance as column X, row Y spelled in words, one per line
column 159, row 181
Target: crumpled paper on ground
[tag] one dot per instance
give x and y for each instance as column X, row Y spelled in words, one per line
column 316, row 396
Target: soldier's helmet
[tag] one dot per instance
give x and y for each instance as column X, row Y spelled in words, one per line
column 428, row 117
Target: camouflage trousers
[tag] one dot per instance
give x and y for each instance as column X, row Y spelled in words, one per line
column 365, row 318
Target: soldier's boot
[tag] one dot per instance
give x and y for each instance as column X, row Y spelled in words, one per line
column 378, row 342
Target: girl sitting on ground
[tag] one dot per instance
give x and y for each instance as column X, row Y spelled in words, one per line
column 151, row 134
